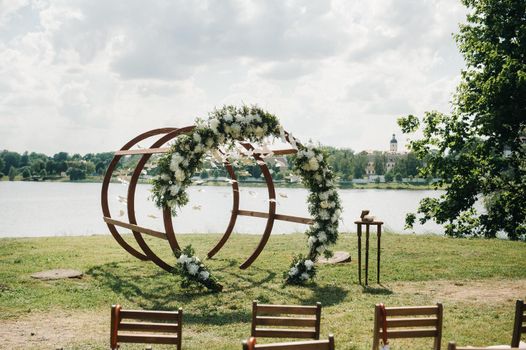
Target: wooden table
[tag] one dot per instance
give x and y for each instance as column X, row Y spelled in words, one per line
column 368, row 224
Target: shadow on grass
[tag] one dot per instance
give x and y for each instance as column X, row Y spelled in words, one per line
column 381, row 290
column 327, row 296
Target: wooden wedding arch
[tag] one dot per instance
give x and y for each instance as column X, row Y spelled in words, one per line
column 163, row 136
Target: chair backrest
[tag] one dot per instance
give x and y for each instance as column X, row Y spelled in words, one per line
column 148, row 327
column 327, row 344
column 275, row 321
column 453, row 346
column 519, row 326
column 408, row 322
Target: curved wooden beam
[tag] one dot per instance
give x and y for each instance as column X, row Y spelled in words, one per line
column 233, row 216
column 131, row 199
column 167, row 213
column 271, row 209
column 106, row 182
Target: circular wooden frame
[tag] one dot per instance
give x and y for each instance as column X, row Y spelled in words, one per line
column 167, row 134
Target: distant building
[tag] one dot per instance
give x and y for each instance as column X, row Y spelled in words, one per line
column 391, row 158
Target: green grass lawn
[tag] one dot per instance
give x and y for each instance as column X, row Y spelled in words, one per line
column 477, row 280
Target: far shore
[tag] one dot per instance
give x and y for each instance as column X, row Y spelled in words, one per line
column 278, row 184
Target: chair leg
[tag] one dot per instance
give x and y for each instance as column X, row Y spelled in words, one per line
column 376, row 331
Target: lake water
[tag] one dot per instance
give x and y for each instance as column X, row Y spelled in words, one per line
column 30, row 209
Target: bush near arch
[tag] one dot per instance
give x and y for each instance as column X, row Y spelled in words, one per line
column 224, row 127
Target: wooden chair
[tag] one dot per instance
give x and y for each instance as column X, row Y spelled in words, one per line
column 519, row 326
column 298, row 345
column 166, row 332
column 453, row 346
column 410, row 325
column 273, row 315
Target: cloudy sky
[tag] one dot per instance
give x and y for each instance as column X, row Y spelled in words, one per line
column 87, row 76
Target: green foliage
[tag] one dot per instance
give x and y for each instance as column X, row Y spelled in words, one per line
column 12, row 173
column 479, row 151
column 26, row 173
column 389, row 176
column 76, row 174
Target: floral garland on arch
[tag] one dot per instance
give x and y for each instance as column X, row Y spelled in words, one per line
column 229, row 124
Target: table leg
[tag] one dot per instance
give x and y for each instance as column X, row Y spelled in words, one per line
column 359, row 233
column 379, row 232
column 366, row 254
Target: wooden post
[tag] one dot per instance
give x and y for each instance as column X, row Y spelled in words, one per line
column 359, row 232
column 366, row 254
column 379, row 233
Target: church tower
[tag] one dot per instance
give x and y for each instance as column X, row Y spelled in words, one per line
column 393, row 145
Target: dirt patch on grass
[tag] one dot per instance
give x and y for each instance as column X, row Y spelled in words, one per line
column 487, row 291
column 54, row 330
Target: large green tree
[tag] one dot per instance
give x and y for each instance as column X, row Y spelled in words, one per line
column 478, row 151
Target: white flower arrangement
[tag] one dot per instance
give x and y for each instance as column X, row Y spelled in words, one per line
column 193, row 271
column 225, row 126
column 324, row 206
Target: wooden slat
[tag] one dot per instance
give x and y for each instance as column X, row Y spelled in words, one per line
column 411, row 310
column 149, row 326
column 410, row 333
column 297, row 345
column 147, row 339
column 149, row 315
column 286, row 309
column 412, row 322
column 284, row 333
column 289, row 218
column 136, row 228
column 142, row 151
column 504, row 347
column 286, row 321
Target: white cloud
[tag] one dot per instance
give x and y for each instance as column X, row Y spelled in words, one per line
column 85, row 76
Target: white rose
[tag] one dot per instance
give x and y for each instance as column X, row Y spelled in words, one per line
column 209, row 142
column 182, row 259
column 320, row 249
column 312, row 240
column 313, row 164
column 324, row 214
column 228, row 117
column 336, row 215
column 309, row 264
column 306, row 166
column 174, row 189
column 324, row 204
column 197, row 137
column 235, row 130
column 260, row 132
column 192, row 269
column 165, row 177
column 180, row 175
column 214, row 124
column 304, row 276
column 324, row 195
column 241, row 119
column 204, row 275
column 293, row 271
column 322, row 237
column 318, row 177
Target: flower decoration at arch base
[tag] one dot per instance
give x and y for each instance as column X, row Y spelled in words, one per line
column 241, row 129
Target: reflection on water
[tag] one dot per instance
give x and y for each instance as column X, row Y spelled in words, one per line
column 54, row 209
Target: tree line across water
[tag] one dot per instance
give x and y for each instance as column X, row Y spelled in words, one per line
column 62, row 165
